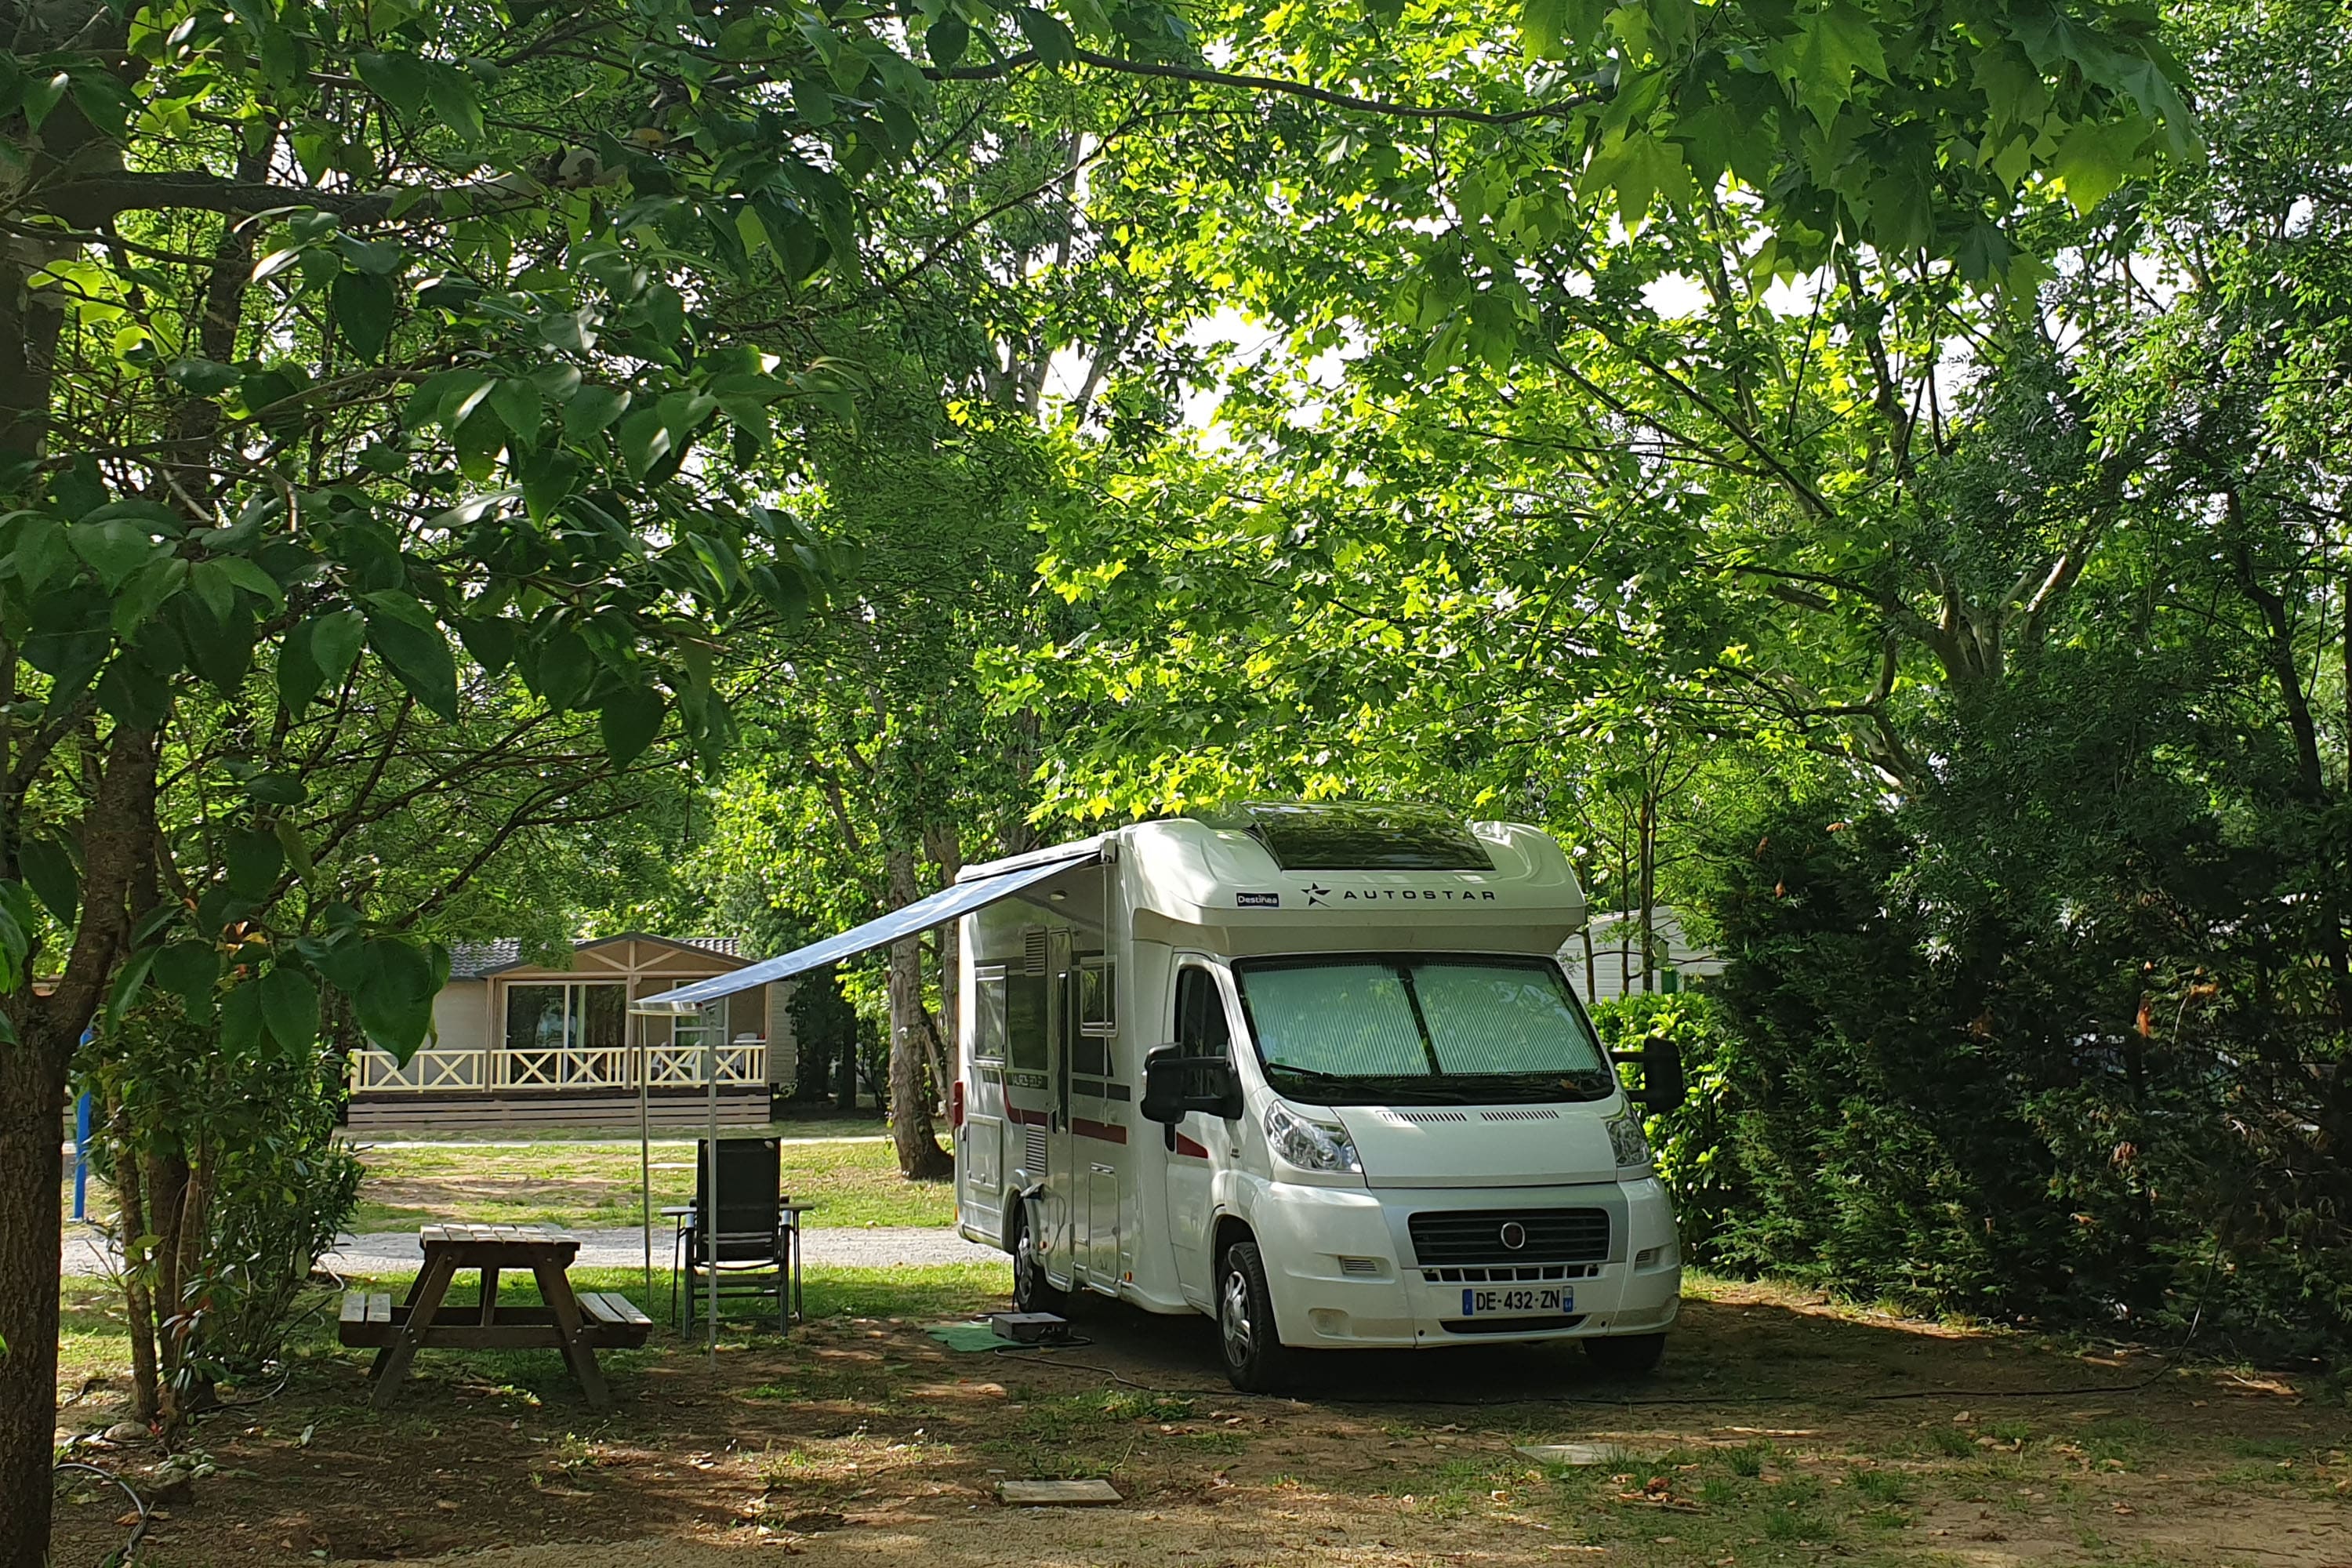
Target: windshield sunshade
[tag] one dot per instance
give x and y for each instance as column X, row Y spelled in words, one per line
column 1333, row 835
column 1364, row 1030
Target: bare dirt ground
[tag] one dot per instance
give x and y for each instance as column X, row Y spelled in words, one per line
column 1781, row 1430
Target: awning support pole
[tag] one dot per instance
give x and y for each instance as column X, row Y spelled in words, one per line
column 645, row 1160
column 710, row 1220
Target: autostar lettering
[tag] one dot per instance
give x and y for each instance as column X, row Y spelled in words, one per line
column 1418, row 895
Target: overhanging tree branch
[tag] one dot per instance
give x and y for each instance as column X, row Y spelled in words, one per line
column 1204, row 76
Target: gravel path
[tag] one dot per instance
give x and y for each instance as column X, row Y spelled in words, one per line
column 882, row 1246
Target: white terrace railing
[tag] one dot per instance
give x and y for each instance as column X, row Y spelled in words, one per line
column 743, row 1061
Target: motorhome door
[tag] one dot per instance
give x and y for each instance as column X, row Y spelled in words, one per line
column 981, row 1142
column 1204, row 1146
column 1063, row 1181
column 1029, row 1083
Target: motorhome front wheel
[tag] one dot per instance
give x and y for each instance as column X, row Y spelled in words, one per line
column 1256, row 1358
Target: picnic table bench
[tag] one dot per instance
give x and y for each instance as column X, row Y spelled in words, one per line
column 575, row 1324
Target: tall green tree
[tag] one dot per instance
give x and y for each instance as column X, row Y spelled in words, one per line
column 422, row 336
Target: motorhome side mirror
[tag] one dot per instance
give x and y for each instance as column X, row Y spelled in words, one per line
column 1164, row 1085
column 1661, row 1074
column 1175, row 1084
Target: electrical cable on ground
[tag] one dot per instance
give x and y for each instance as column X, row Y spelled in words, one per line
column 137, row 1532
column 1032, row 1353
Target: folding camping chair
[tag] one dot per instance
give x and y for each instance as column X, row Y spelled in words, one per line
column 758, row 1232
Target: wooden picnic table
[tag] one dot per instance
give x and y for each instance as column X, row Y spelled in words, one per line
column 573, row 1324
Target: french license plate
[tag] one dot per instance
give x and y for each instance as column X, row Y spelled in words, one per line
column 1545, row 1299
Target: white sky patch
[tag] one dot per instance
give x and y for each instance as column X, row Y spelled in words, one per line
column 1675, row 296
column 1787, row 297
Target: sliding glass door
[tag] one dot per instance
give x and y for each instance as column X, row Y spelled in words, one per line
column 568, row 1033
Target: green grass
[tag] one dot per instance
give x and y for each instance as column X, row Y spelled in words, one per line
column 815, row 1123
column 94, row 1343
column 594, row 1185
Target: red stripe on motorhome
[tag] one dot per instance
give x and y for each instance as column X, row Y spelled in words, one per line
column 1186, row 1146
column 1107, row 1131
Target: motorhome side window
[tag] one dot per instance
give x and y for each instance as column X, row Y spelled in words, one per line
column 1200, row 1027
column 1097, row 996
column 1024, row 1022
column 988, row 1027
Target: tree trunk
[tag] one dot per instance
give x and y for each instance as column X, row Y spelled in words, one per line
column 32, row 1111
column 921, row 1158
column 946, row 853
column 1649, row 890
column 121, row 821
column 138, row 1299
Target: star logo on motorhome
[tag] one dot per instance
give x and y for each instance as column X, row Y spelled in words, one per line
column 1315, row 893
column 1513, row 1235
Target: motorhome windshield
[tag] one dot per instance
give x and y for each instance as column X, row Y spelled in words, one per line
column 1416, row 1030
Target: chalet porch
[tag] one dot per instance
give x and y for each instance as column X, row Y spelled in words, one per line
column 528, row 1111
column 518, row 1044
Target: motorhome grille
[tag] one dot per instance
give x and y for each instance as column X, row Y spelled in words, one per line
column 1424, row 1118
column 1032, row 949
column 1483, row 1235
column 1519, row 1116
column 1036, row 1151
column 1536, row 1272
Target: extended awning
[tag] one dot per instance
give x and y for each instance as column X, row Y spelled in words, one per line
column 985, row 887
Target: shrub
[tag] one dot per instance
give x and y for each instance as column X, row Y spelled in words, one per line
column 2017, row 1054
column 231, row 1182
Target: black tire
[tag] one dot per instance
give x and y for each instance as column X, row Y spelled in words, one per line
column 1256, row 1361
column 1032, row 1292
column 1627, row 1356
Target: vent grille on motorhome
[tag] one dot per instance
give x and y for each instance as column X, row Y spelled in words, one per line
column 1036, row 1151
column 1536, row 1115
column 1032, row 947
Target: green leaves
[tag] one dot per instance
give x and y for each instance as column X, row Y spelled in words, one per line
column 393, row 998
column 412, row 86
column 316, row 653
column 50, row 872
column 1547, row 27
column 289, row 1005
column 1640, row 168
column 200, row 377
column 255, row 858
column 1047, row 34
column 363, row 306
column 2093, row 160
column 15, row 932
column 946, row 39
column 1830, row 45
column 591, row 410
column 189, row 970
column 114, row 549
column 400, row 80
column 407, row 637
column 630, row 718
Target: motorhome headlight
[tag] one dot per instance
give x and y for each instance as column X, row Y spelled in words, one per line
column 1628, row 1144
column 1310, row 1145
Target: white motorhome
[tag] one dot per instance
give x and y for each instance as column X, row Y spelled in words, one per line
column 1313, row 1070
